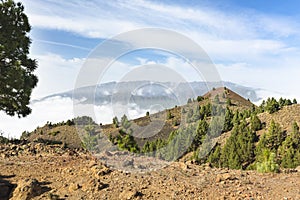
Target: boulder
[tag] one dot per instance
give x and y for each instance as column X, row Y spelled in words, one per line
column 128, row 163
column 5, row 189
column 27, row 189
column 129, row 194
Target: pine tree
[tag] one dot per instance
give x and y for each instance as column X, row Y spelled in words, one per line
column 16, row 68
column 217, row 99
column 266, row 151
column 200, row 98
column 272, row 105
column 201, row 131
column 189, row 115
column 125, row 122
column 255, row 123
column 236, row 118
column 196, row 115
column 274, row 136
column 169, row 115
column 238, row 152
column 267, row 162
column 127, row 142
column 216, row 126
column 215, row 157
column 228, row 102
column 262, row 106
column 287, row 102
column 116, row 122
column 290, row 150
column 281, row 102
column 228, row 125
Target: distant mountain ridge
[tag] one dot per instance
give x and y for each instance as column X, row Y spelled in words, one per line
column 144, row 93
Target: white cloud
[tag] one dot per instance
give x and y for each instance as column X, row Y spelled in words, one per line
column 279, row 26
column 275, row 81
column 92, row 19
column 62, row 44
column 55, row 74
column 59, row 109
column 54, row 110
column 243, row 50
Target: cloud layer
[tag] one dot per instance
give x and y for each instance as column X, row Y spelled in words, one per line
column 58, row 109
column 248, row 47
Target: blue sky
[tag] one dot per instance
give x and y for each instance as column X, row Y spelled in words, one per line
column 245, row 39
column 288, row 7
column 254, row 43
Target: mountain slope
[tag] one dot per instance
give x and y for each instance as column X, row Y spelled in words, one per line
column 285, row 117
column 148, row 128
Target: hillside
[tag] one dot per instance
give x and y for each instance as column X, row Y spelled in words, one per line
column 209, row 126
column 285, row 117
column 218, row 162
column 236, row 99
column 56, row 134
column 68, row 134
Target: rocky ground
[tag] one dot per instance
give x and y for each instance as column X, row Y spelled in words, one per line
column 38, row 171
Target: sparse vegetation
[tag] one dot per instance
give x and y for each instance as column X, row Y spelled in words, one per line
column 3, row 140
column 52, row 133
column 89, row 136
column 127, row 142
column 272, row 105
column 242, row 150
column 204, row 121
column 169, row 115
column 24, row 135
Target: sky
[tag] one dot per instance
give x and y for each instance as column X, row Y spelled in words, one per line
column 253, row 43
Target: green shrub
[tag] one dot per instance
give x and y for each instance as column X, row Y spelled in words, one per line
column 169, row 115
column 200, row 98
column 267, row 162
column 54, row 133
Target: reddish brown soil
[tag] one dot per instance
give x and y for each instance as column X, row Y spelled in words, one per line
column 51, row 172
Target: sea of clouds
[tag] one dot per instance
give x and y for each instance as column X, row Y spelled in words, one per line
column 58, row 109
